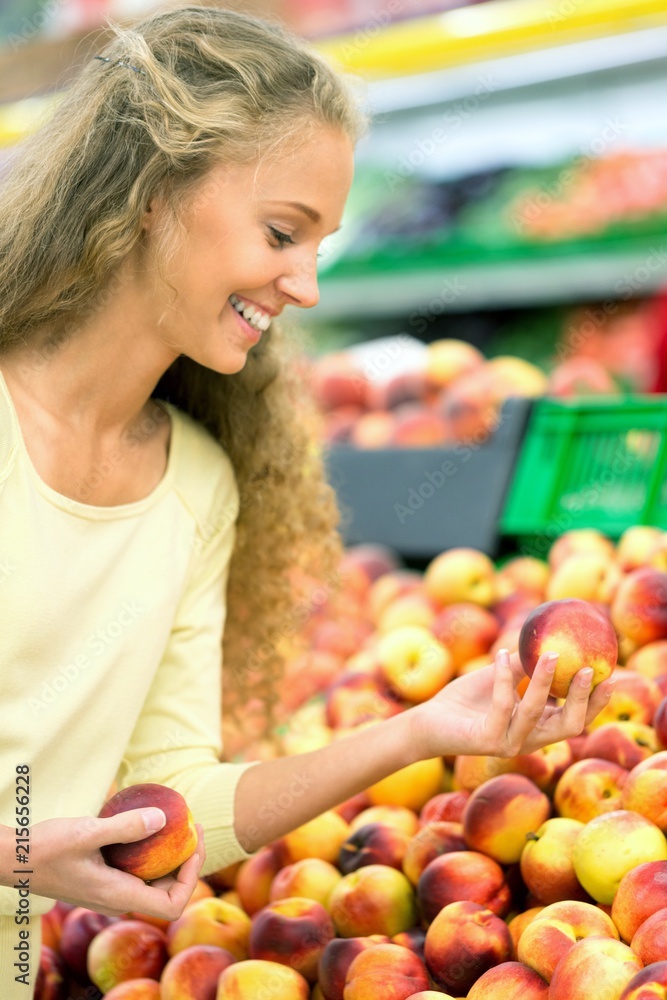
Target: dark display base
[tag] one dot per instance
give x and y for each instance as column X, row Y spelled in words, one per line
column 420, row 501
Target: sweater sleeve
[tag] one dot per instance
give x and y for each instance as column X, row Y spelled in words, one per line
column 177, row 739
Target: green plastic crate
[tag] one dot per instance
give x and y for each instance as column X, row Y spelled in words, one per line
column 591, row 463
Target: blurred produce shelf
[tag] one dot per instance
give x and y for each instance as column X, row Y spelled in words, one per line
column 492, row 93
column 541, row 275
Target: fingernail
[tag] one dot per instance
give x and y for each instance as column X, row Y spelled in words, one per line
column 552, row 659
column 586, row 675
column 154, row 819
column 504, row 656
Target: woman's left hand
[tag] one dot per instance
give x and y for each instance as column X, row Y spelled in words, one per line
column 481, row 713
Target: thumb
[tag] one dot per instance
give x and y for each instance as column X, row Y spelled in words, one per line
column 126, row 827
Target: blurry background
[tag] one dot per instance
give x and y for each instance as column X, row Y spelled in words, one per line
column 516, row 166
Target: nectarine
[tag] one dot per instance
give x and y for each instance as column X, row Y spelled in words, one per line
column 579, row 632
column 162, row 852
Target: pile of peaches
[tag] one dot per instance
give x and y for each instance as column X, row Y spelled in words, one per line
column 404, row 394
column 539, row 877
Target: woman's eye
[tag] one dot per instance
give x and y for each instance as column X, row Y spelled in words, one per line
column 282, row 239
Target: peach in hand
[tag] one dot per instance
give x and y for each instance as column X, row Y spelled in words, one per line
column 581, row 634
column 162, row 852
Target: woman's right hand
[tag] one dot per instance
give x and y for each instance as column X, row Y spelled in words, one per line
column 67, row 865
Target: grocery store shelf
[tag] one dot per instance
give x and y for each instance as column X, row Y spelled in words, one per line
column 484, row 31
column 525, row 110
column 526, row 69
column 529, row 281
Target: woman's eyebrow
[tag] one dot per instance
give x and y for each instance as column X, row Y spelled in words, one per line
column 312, row 213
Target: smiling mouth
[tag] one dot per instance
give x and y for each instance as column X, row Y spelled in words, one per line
column 251, row 313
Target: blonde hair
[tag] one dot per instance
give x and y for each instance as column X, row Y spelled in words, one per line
column 178, row 93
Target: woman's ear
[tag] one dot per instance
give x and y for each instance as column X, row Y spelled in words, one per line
column 154, row 213
column 148, row 216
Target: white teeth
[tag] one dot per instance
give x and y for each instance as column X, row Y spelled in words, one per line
column 254, row 316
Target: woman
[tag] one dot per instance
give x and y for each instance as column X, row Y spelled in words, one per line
column 149, row 236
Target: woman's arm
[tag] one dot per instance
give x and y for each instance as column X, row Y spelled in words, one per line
column 479, row 713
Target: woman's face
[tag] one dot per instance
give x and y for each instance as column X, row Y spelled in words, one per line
column 251, row 237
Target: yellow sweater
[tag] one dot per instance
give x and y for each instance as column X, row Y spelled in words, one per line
column 111, row 623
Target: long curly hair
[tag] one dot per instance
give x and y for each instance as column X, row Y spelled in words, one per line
column 173, row 96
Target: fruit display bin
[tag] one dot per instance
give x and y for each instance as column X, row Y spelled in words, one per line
column 420, row 501
column 589, row 463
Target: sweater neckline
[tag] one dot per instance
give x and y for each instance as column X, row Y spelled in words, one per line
column 93, row 511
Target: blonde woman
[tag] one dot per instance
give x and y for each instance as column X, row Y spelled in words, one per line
column 158, row 483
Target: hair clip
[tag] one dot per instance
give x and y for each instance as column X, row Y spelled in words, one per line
column 121, row 62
